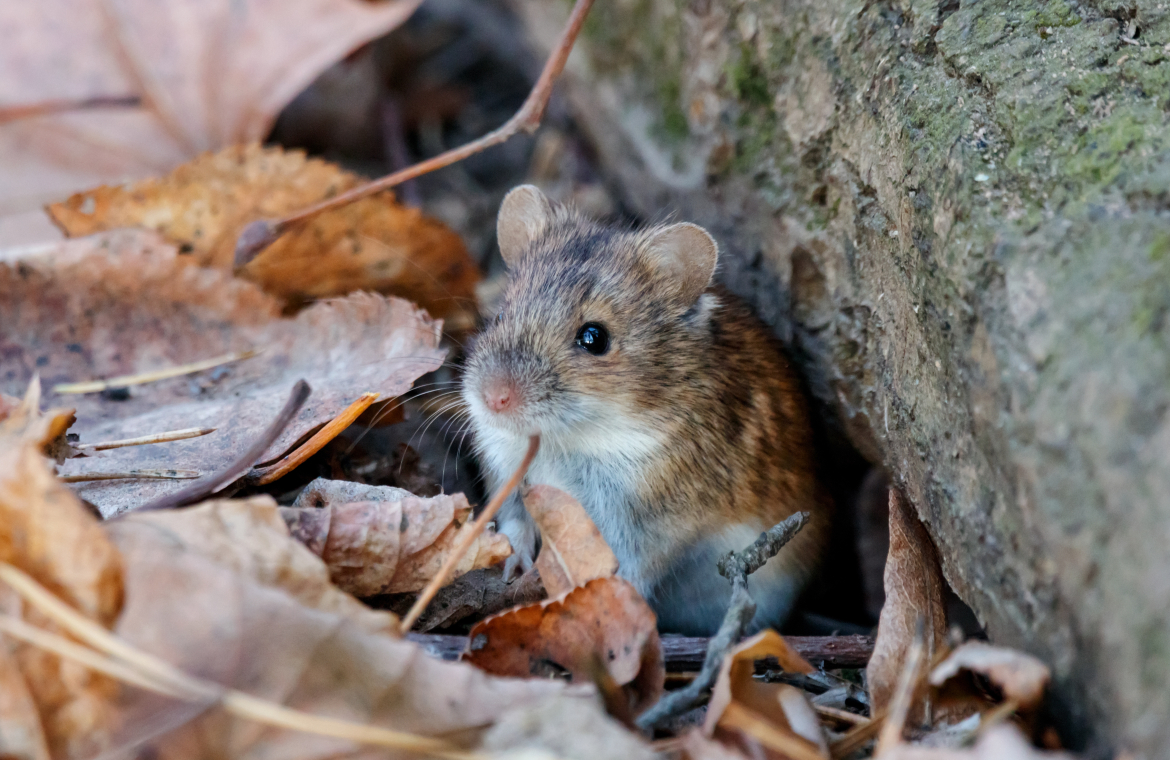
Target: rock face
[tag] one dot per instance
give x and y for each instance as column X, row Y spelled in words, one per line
column 958, row 213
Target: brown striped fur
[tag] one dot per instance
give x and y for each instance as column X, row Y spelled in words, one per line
column 685, row 440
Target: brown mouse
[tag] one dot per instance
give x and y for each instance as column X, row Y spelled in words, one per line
column 664, row 406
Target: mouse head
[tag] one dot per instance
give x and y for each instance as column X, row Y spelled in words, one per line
column 597, row 324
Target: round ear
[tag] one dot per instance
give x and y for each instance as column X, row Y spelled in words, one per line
column 684, row 255
column 524, row 215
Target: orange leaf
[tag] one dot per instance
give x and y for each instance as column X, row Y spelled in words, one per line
column 572, row 551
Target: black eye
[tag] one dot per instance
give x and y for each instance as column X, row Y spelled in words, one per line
column 593, row 338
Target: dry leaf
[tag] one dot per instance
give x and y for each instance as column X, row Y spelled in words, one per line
column 567, row 730
column 247, row 631
column 696, row 745
column 46, row 532
column 374, row 244
column 1021, row 677
column 914, row 590
column 774, row 715
column 179, row 77
column 121, row 303
column 21, row 736
column 572, row 551
column 602, row 630
column 249, row 537
column 390, row 541
column 1002, row 742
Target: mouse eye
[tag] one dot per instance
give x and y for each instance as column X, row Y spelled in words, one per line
column 593, row 338
column 499, row 317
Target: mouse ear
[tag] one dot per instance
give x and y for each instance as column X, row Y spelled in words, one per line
column 524, row 215
column 684, row 254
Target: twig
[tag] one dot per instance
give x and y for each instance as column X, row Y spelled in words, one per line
column 858, row 736
column 167, row 437
column 685, row 654
column 120, row 660
column 891, row 733
column 260, row 234
column 132, row 475
column 264, row 475
column 202, row 489
column 94, row 386
column 736, row 567
column 488, row 513
column 844, row 716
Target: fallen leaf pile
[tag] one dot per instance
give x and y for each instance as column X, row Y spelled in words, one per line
column 122, row 302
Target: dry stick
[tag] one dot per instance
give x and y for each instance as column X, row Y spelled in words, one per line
column 202, row 489
column 152, row 673
column 94, row 386
column 133, row 474
column 736, row 567
column 844, row 716
column 265, row 475
column 765, row 732
column 260, row 234
column 891, row 733
column 167, row 437
column 488, row 513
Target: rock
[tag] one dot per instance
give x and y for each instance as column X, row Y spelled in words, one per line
column 957, row 215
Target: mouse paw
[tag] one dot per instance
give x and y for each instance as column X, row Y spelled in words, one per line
column 521, row 534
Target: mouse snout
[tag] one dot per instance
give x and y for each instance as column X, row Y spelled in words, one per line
column 500, row 395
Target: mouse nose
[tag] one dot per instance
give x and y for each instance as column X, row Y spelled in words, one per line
column 499, row 395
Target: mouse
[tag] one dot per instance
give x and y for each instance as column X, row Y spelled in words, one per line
column 663, row 404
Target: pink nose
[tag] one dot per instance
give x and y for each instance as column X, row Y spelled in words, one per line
column 499, row 396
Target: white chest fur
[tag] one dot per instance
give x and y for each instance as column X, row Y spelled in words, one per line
column 603, row 467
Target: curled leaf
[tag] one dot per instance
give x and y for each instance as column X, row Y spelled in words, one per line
column 390, row 542
column 1021, row 677
column 572, row 551
column 602, row 631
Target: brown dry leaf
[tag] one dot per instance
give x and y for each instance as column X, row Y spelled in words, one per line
column 914, row 590
column 179, row 77
column 248, row 627
column 597, row 632
column 122, row 302
column 21, row 736
column 46, row 532
column 1021, row 677
column 249, row 537
column 390, row 541
column 374, row 244
column 572, row 551
column 743, row 711
column 696, row 745
column 1002, row 742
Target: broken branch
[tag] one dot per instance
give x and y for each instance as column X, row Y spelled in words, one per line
column 736, row 567
column 260, row 234
column 486, row 516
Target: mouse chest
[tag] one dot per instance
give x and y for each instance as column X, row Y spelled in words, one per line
column 608, row 491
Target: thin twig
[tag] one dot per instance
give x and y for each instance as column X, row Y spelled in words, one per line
column 95, row 386
column 120, row 660
column 332, row 429
column 891, row 734
column 133, row 475
column 838, row 714
column 202, row 489
column 489, row 512
column 167, row 437
column 736, row 567
column 260, row 234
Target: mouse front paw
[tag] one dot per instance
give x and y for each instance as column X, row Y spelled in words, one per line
column 521, row 533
